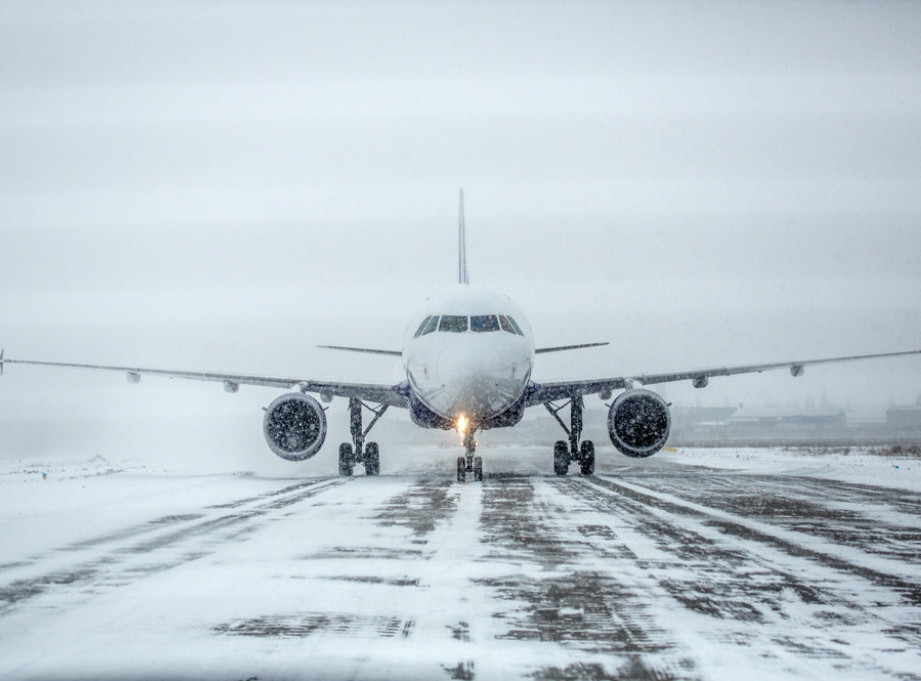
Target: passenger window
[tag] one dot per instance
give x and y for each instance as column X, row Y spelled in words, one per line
column 431, row 325
column 422, row 326
column 485, row 322
column 506, row 325
column 453, row 323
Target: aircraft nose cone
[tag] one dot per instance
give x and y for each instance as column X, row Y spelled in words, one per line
column 474, row 385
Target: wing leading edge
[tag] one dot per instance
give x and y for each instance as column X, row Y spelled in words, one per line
column 394, row 395
column 544, row 392
column 373, row 392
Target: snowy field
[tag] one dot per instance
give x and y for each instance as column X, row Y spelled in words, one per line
column 694, row 564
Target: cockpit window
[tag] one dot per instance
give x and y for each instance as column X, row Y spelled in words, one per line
column 453, row 323
column 509, row 324
column 422, row 326
column 428, row 325
column 431, row 326
column 511, row 320
column 484, row 322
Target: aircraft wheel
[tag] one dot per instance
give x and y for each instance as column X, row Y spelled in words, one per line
column 561, row 459
column 372, row 459
column 478, row 469
column 345, row 459
column 461, row 469
column 587, row 458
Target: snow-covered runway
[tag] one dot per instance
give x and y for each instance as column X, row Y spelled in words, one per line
column 779, row 567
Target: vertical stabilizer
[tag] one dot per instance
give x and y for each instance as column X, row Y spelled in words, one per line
column 462, row 246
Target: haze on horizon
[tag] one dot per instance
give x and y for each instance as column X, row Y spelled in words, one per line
column 224, row 186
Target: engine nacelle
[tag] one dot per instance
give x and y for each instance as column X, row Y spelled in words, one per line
column 295, row 426
column 639, row 422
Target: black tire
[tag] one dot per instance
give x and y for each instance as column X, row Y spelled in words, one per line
column 372, row 459
column 561, row 459
column 478, row 469
column 587, row 458
column 461, row 469
column 345, row 459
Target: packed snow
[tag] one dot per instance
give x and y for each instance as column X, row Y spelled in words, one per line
column 696, row 564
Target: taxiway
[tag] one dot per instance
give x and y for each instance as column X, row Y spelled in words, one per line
column 666, row 570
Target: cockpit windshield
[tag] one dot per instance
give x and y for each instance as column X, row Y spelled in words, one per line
column 453, row 323
column 484, row 322
column 481, row 323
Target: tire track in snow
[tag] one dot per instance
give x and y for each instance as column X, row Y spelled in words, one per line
column 857, row 559
column 403, row 568
column 877, row 521
column 161, row 546
column 754, row 584
column 560, row 591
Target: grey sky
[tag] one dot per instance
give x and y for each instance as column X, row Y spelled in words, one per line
column 224, row 184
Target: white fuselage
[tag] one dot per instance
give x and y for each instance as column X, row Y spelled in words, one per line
column 468, row 353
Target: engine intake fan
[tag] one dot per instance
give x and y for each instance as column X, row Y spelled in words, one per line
column 295, row 426
column 639, row 423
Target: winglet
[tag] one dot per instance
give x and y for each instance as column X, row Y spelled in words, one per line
column 461, row 245
column 1, row 361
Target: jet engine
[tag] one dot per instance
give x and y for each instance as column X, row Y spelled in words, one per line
column 295, row 426
column 638, row 423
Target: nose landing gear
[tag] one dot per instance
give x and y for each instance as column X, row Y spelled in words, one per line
column 469, row 463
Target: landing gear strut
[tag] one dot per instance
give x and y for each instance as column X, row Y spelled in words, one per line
column 358, row 452
column 469, row 463
column 565, row 453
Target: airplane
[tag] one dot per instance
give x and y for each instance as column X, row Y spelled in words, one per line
column 468, row 357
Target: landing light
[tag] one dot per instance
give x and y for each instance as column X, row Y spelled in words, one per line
column 461, row 424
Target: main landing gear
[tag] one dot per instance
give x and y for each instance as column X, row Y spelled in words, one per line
column 469, row 463
column 358, row 452
column 564, row 454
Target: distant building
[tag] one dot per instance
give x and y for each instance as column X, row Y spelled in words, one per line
column 684, row 417
column 788, row 419
column 906, row 417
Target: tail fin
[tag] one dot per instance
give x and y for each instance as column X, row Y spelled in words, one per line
column 462, row 246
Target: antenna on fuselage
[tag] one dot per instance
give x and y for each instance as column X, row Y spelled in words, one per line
column 462, row 245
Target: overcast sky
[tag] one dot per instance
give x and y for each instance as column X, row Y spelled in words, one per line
column 222, row 185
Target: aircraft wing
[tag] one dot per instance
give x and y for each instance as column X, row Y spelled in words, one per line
column 544, row 392
column 373, row 392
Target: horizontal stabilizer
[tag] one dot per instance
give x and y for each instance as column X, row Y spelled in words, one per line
column 558, row 348
column 371, row 351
